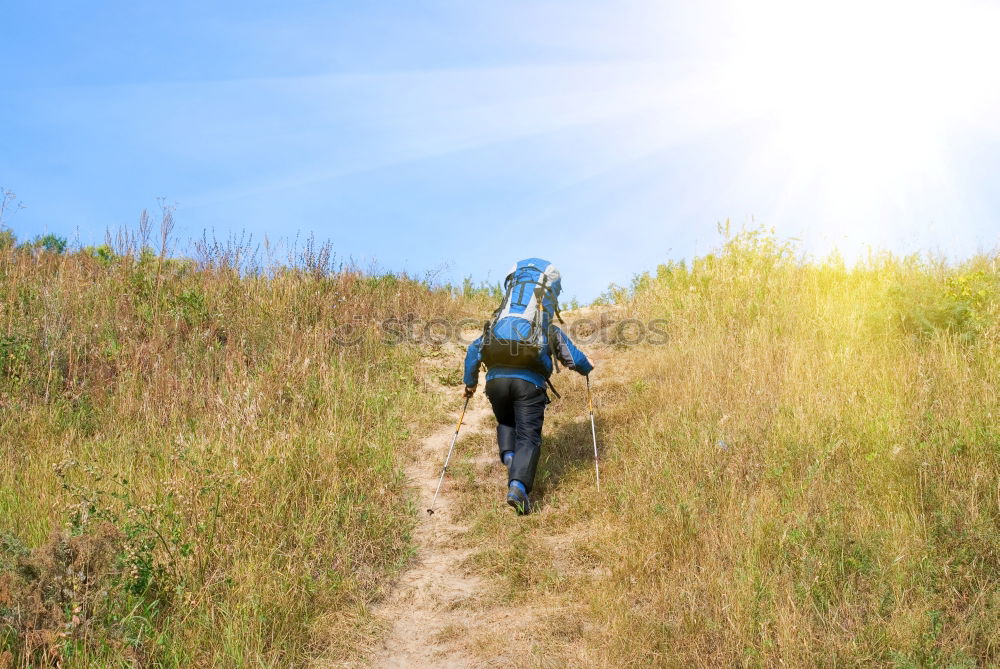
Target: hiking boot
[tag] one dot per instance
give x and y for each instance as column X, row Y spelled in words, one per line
column 517, row 497
column 507, row 457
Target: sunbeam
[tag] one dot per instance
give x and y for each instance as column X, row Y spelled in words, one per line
column 863, row 99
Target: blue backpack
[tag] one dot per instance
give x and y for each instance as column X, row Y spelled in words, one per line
column 517, row 335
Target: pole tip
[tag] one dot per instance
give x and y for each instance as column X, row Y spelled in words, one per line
column 430, row 512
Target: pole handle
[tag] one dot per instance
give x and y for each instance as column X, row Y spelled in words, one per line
column 461, row 416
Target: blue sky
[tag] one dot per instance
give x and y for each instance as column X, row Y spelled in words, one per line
column 458, row 136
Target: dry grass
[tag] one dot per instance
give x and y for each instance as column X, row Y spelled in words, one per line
column 249, row 464
column 806, row 474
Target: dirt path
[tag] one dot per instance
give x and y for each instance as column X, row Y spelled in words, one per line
column 439, row 608
column 430, row 602
column 428, row 612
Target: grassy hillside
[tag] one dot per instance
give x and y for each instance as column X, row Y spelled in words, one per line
column 804, row 474
column 812, row 464
column 196, row 472
column 800, row 465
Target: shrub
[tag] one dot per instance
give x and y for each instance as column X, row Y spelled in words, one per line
column 7, row 239
column 957, row 304
column 51, row 243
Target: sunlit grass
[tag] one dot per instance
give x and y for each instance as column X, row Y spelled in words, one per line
column 805, row 474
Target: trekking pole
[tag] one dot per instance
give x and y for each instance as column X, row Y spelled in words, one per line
column 430, row 509
column 593, row 433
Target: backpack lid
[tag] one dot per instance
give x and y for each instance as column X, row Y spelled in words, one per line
column 538, row 270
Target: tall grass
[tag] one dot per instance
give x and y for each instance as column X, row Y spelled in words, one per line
column 198, row 474
column 197, row 471
column 806, row 474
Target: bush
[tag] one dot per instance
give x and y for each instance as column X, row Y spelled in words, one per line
column 14, row 356
column 959, row 304
column 51, row 243
column 7, row 239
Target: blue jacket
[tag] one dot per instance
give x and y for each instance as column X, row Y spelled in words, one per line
column 569, row 355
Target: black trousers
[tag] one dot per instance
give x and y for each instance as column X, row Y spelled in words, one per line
column 519, row 406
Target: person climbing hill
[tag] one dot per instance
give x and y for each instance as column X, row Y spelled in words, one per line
column 521, row 347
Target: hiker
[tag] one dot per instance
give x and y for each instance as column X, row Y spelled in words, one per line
column 520, row 347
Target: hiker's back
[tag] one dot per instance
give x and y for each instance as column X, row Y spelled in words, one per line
column 518, row 335
column 521, row 346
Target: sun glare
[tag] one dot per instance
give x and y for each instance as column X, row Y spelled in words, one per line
column 861, row 98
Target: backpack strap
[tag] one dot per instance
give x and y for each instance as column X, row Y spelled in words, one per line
column 557, row 310
column 551, row 335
